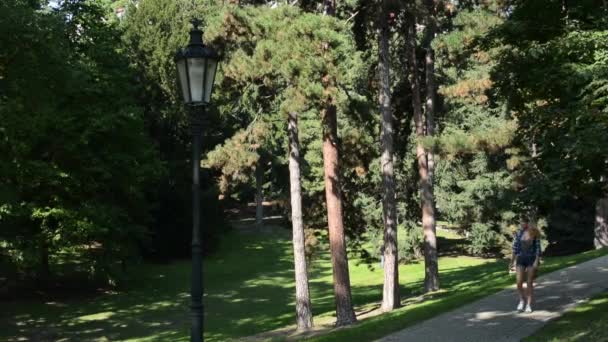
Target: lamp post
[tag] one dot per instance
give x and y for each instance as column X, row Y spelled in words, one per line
column 196, row 66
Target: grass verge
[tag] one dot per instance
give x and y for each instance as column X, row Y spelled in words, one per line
column 586, row 322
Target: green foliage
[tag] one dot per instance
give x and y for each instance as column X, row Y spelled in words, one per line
column 276, row 61
column 238, row 156
column 553, row 77
column 153, row 31
column 76, row 160
column 485, row 239
column 473, row 185
column 410, row 243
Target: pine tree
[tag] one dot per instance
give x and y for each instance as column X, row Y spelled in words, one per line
column 280, row 55
column 472, row 183
column 345, row 314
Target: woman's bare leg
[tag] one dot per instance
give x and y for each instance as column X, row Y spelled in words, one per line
column 530, row 283
column 520, row 282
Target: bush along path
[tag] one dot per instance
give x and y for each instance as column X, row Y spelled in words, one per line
column 495, row 317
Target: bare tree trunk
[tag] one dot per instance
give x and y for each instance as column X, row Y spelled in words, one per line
column 431, row 270
column 601, row 224
column 345, row 315
column 390, row 293
column 431, row 279
column 259, row 194
column 329, row 7
column 431, row 88
column 303, row 307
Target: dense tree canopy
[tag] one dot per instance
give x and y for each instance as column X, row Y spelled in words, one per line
column 76, row 160
column 95, row 142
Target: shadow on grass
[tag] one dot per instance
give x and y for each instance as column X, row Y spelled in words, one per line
column 239, row 300
column 452, row 247
column 154, row 309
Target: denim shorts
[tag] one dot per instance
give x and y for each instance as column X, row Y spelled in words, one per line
column 526, row 261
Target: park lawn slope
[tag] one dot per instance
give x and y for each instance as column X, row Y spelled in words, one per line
column 249, row 289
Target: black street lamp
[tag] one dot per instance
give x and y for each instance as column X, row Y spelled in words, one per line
column 196, row 66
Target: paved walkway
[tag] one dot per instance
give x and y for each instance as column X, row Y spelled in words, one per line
column 494, row 318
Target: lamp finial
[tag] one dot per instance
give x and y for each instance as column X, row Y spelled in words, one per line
column 195, row 23
column 196, row 34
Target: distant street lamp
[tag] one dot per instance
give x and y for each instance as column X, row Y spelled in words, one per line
column 196, row 66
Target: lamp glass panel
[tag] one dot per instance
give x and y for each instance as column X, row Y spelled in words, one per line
column 196, row 71
column 182, row 75
column 210, row 78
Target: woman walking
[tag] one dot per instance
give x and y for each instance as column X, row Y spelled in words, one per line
column 525, row 260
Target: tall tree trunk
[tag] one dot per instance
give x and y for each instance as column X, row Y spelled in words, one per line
column 259, row 195
column 303, row 307
column 431, row 88
column 431, row 270
column 345, row 314
column 601, row 223
column 431, row 279
column 390, row 293
column 329, row 7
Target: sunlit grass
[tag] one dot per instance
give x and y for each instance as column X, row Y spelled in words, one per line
column 586, row 322
column 459, row 288
column 448, row 234
column 249, row 290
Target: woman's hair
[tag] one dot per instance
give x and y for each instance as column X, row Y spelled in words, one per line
column 534, row 232
column 523, row 218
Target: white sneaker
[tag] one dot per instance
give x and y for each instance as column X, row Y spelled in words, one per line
column 520, row 306
column 528, row 308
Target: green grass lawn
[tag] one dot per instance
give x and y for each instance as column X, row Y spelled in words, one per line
column 248, row 290
column 447, row 234
column 586, row 322
column 457, row 291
